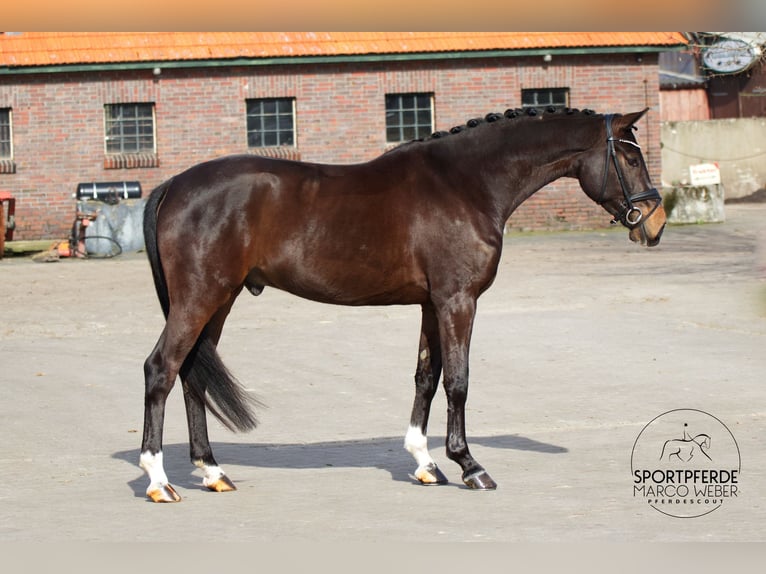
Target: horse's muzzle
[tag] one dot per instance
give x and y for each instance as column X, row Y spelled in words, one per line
column 640, row 235
column 656, row 239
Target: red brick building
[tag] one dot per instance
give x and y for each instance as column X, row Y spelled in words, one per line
column 95, row 107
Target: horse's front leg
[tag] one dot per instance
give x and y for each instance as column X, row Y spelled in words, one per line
column 426, row 382
column 456, row 318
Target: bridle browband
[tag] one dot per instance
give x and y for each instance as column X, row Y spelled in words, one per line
column 630, row 216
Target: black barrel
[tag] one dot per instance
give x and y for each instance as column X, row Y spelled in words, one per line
column 109, row 190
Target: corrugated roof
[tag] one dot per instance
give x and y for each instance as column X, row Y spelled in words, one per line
column 67, row 48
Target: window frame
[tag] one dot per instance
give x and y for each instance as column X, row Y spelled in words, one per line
column 420, row 130
column 135, row 121
column 550, row 100
column 260, row 116
column 9, row 141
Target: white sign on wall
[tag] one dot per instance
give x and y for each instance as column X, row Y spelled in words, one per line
column 729, row 55
column 704, row 174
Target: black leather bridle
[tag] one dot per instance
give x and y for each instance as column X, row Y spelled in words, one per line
column 630, row 216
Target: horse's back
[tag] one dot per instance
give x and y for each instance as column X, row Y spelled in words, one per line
column 338, row 234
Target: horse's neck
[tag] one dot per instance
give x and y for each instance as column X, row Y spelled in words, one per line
column 513, row 166
column 499, row 165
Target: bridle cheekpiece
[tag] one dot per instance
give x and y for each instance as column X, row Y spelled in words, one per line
column 630, row 216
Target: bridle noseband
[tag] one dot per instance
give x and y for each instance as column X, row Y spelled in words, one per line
column 630, row 216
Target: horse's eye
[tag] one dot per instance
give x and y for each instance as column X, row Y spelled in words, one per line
column 633, row 162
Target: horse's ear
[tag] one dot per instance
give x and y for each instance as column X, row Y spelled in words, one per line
column 627, row 121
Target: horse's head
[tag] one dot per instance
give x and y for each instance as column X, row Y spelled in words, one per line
column 613, row 173
column 702, row 440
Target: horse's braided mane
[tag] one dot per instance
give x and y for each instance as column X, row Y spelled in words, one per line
column 509, row 114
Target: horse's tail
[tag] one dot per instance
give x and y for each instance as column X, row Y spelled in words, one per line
column 151, row 210
column 202, row 372
column 225, row 398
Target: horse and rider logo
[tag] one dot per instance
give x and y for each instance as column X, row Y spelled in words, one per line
column 686, row 448
column 676, row 470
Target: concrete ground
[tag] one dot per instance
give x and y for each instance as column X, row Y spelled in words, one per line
column 583, row 339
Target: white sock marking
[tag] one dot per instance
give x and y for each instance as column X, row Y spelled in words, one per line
column 212, row 473
column 152, row 464
column 416, row 444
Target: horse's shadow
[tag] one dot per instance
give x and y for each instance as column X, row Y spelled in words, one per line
column 385, row 453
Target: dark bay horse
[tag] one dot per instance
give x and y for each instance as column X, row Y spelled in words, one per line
column 422, row 224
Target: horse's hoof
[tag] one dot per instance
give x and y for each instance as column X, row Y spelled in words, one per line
column 221, row 484
column 163, row 493
column 479, row 481
column 430, row 474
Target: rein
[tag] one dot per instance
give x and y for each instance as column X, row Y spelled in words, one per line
column 630, row 216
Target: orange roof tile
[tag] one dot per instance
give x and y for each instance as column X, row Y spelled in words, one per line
column 62, row 48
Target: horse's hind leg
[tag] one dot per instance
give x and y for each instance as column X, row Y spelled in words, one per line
column 200, row 451
column 160, row 371
column 426, row 382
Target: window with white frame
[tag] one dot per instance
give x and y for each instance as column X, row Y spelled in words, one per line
column 544, row 97
column 6, row 142
column 408, row 117
column 270, row 122
column 129, row 128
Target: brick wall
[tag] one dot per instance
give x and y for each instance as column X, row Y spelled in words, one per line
column 58, row 120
